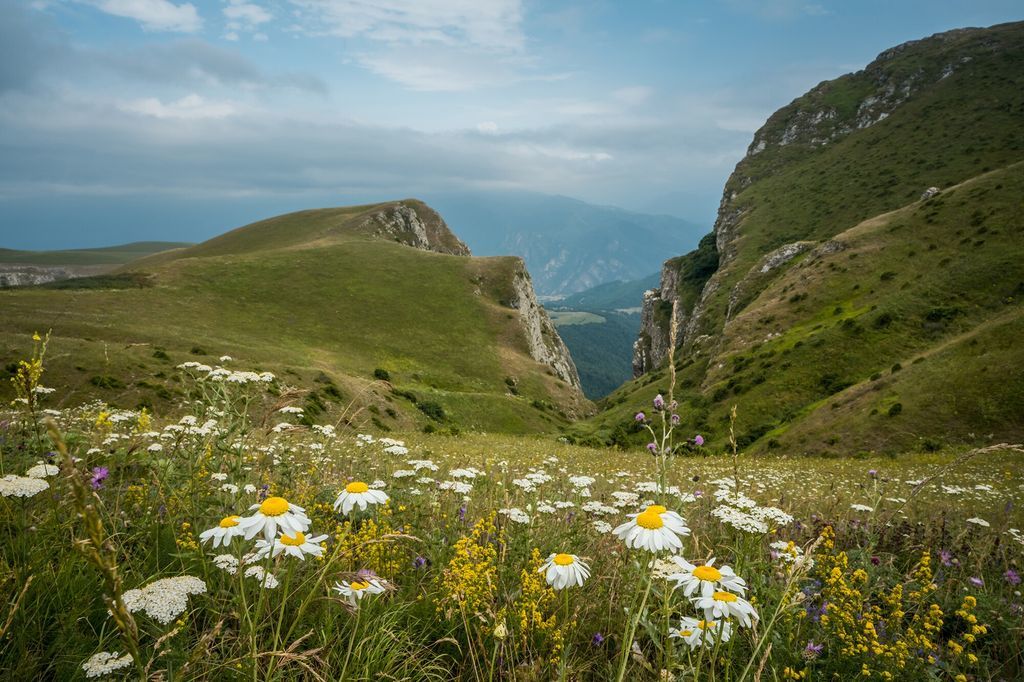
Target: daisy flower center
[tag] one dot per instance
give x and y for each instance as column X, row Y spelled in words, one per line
column 563, row 559
column 650, row 519
column 356, row 487
column 359, row 585
column 297, row 541
column 704, row 625
column 274, row 506
column 708, row 573
column 229, row 521
column 685, row 633
column 723, row 596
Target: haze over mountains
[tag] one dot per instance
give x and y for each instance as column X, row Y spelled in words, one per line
column 568, row 245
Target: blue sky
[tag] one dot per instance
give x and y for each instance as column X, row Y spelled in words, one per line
column 125, row 120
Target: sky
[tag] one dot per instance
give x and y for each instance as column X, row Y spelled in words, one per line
column 126, row 120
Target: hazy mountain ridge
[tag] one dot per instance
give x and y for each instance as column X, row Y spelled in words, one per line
column 568, row 245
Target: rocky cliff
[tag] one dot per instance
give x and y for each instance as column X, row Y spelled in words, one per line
column 546, row 346
column 829, row 116
column 415, row 224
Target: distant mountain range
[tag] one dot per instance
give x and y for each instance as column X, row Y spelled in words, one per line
column 568, row 245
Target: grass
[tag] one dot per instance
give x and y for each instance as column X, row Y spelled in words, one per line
column 110, row 255
column 463, row 599
column 310, row 294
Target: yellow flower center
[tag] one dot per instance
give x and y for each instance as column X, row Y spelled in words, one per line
column 704, row 625
column 708, row 573
column 274, row 506
column 229, row 521
column 651, row 517
column 297, row 541
column 356, row 487
column 685, row 633
column 563, row 559
column 359, row 585
column 723, row 596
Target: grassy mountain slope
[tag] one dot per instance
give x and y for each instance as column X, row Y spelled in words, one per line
column 319, row 298
column 108, row 255
column 833, row 272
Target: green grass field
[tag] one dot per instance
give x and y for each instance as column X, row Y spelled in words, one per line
column 868, row 567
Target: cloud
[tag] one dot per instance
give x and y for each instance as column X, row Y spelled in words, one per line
column 487, row 24
column 244, row 16
column 154, row 15
column 194, row 63
column 27, row 46
column 446, row 69
column 192, row 107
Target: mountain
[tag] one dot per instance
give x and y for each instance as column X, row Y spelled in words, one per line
column 19, row 268
column 599, row 326
column 327, row 300
column 617, row 295
column 862, row 287
column 568, row 245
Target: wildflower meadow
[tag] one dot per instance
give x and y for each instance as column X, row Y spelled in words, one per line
column 231, row 540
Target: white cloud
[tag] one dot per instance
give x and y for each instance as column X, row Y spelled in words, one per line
column 487, row 24
column 191, row 107
column 244, row 16
column 154, row 15
column 487, row 128
column 449, row 69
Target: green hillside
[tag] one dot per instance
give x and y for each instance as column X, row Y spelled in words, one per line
column 107, row 255
column 324, row 299
column 843, row 311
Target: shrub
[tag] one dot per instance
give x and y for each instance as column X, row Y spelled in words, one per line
column 432, row 409
column 382, row 374
column 895, row 409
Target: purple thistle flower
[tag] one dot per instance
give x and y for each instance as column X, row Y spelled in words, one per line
column 653, row 447
column 977, row 582
column 1012, row 576
column 813, row 650
column 640, row 416
column 659, row 402
column 675, row 419
column 99, row 474
column 873, row 473
column 946, row 557
column 698, row 440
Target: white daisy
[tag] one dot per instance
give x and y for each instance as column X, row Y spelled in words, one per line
column 357, row 589
column 358, row 493
column 564, row 570
column 224, row 532
column 297, row 545
column 697, row 632
column 724, row 605
column 706, row 578
column 274, row 513
column 653, row 529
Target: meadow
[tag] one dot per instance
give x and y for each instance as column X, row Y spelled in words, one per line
column 225, row 540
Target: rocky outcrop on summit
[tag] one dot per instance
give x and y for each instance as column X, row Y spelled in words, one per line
column 546, row 346
column 415, row 224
